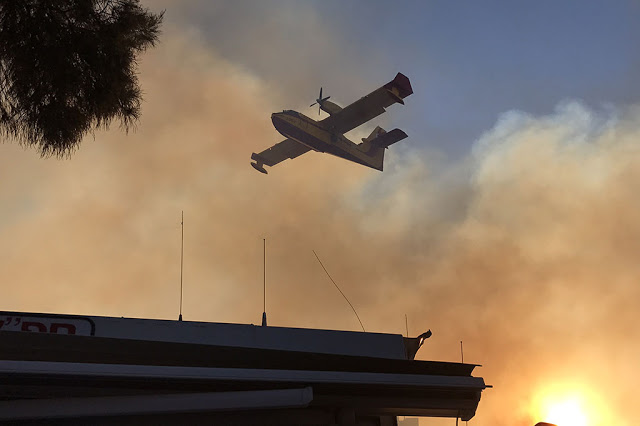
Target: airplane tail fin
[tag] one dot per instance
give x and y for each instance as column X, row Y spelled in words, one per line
column 375, row 144
column 377, row 131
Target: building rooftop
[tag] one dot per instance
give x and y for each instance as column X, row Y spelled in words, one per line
column 114, row 369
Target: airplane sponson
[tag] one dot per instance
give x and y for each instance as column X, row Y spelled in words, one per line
column 402, row 84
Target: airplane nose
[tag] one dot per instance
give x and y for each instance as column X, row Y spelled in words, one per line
column 280, row 123
column 276, row 119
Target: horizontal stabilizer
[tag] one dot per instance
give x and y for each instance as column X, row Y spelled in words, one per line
column 383, row 140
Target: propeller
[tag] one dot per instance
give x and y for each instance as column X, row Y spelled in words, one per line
column 319, row 101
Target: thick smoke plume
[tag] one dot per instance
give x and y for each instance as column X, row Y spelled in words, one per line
column 526, row 250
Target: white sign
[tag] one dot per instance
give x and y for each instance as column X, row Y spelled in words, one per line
column 47, row 324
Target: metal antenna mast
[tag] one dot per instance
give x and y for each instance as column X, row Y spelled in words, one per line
column 264, row 282
column 181, row 260
column 334, row 283
column 406, row 324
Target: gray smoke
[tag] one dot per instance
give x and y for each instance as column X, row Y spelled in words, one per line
column 526, row 250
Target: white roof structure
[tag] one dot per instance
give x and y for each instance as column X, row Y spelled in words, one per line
column 241, row 335
column 116, row 370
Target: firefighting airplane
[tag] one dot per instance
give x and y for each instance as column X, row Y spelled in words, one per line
column 305, row 134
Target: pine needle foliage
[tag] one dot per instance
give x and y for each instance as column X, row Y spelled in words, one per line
column 68, row 67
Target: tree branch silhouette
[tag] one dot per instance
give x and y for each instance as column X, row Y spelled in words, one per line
column 68, row 67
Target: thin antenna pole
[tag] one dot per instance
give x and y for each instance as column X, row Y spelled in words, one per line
column 461, row 352
column 334, row 283
column 181, row 260
column 264, row 275
column 264, row 282
column 406, row 324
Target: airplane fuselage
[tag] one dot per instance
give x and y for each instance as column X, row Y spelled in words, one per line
column 318, row 137
column 304, row 134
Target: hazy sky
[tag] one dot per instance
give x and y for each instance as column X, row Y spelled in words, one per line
column 508, row 219
column 468, row 61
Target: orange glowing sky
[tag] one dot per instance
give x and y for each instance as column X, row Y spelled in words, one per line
column 525, row 246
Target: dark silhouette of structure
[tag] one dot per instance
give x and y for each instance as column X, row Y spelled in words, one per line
column 103, row 370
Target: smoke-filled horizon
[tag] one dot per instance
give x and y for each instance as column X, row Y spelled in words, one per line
column 525, row 248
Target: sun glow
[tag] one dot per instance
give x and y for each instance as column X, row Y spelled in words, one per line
column 568, row 412
column 569, row 405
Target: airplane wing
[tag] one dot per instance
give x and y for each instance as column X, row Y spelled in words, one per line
column 370, row 106
column 281, row 151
